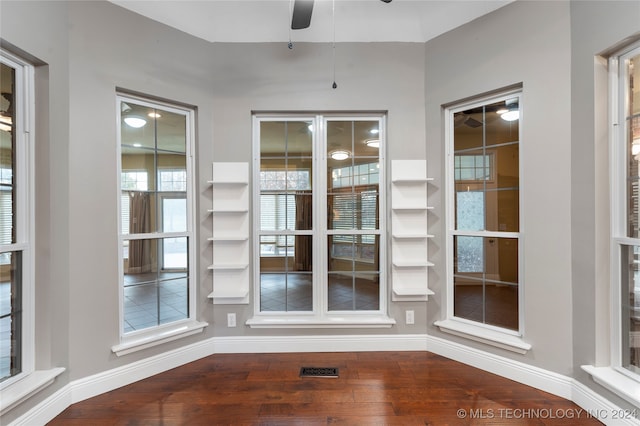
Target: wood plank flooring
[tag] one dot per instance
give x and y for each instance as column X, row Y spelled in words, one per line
column 373, row 388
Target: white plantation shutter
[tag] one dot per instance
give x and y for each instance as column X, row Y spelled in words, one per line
column 6, row 216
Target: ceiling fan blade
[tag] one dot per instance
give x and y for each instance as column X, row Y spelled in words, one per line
column 387, row 1
column 301, row 17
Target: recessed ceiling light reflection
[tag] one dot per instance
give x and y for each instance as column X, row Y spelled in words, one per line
column 340, row 155
column 135, row 121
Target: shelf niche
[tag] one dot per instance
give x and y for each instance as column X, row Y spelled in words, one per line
column 409, row 223
column 230, row 238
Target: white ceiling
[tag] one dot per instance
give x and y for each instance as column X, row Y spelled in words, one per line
column 355, row 20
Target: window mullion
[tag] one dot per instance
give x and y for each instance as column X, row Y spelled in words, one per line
column 320, row 269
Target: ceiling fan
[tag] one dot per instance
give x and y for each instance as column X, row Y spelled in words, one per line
column 301, row 16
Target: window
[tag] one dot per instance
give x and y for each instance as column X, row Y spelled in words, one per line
column 626, row 211
column 156, row 206
column 484, row 213
column 319, row 232
column 16, row 227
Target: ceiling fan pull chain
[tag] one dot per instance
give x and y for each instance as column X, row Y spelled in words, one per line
column 290, row 44
column 333, row 18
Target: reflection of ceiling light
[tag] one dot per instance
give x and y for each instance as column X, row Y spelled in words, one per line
column 511, row 111
column 340, row 155
column 154, row 115
column 135, row 121
column 511, row 115
column 310, row 127
column 137, row 145
column 373, row 143
column 374, row 131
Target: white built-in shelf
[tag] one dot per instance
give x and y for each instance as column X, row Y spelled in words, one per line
column 410, row 180
column 413, row 291
column 412, row 207
column 218, row 182
column 228, row 267
column 410, row 273
column 236, row 294
column 411, row 236
column 227, row 210
column 411, row 264
column 230, row 239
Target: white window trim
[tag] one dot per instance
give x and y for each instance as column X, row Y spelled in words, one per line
column 153, row 336
column 484, row 333
column 321, row 317
column 30, row 381
column 614, row 377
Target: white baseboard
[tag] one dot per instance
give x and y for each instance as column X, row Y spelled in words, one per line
column 329, row 343
column 566, row 387
column 545, row 380
column 88, row 387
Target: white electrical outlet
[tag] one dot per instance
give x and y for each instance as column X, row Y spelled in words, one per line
column 231, row 319
column 409, row 317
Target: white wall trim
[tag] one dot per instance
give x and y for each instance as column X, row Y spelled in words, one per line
column 530, row 375
column 346, row 343
column 548, row 381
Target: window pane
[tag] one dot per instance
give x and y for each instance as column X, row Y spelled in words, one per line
column 467, row 129
column 469, row 255
column 630, row 308
column 174, row 214
column 353, row 277
column 171, row 130
column 502, row 120
column 632, row 117
column 470, row 213
column 365, row 133
column 7, row 154
column 286, row 138
column 286, row 292
column 503, row 210
column 142, row 211
column 505, row 165
column 138, row 168
column 486, row 280
column 286, row 273
column 174, row 253
column 137, row 129
column 487, row 303
column 10, row 315
column 155, row 292
column 340, row 139
column 353, row 253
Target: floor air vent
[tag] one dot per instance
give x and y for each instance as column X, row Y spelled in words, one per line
column 319, row 372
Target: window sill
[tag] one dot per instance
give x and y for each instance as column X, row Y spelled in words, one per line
column 135, row 344
column 615, row 381
column 365, row 321
column 484, row 335
column 23, row 389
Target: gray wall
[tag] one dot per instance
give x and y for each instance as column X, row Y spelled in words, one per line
column 90, row 48
column 524, row 43
column 597, row 28
column 40, row 32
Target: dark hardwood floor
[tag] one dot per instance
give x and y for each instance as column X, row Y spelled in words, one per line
column 373, row 388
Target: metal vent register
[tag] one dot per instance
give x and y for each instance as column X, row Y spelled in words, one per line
column 319, row 372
